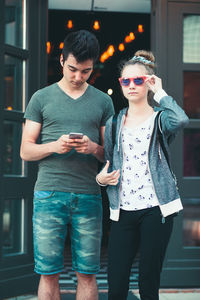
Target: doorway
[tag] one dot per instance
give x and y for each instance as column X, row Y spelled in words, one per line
column 120, row 35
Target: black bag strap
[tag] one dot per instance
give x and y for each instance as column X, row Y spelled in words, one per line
column 114, row 127
column 160, row 139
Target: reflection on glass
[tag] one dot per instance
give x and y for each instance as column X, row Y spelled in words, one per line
column 191, row 152
column 13, row 83
column 12, row 226
column 12, row 161
column 14, row 22
column 191, row 94
column 191, row 224
column 191, row 39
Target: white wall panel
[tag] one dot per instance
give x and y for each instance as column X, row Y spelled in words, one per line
column 71, row 4
column 135, row 6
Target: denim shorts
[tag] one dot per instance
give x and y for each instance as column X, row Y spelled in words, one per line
column 52, row 213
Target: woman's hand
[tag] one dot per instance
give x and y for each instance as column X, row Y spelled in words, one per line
column 106, row 178
column 154, row 83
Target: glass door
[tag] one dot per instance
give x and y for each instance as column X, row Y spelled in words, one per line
column 183, row 81
column 18, row 79
column 175, row 38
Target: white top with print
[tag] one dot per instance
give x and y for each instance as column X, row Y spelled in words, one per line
column 137, row 190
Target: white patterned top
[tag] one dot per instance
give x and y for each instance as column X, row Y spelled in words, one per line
column 137, row 190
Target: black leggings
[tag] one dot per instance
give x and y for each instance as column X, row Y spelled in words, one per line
column 141, row 230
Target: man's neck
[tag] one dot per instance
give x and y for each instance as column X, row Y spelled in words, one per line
column 73, row 92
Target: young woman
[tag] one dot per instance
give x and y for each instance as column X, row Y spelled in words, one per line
column 141, row 188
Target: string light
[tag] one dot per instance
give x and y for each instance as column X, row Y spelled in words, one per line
column 104, row 57
column 121, row 47
column 96, row 25
column 140, row 28
column 70, row 24
column 9, row 108
column 110, row 92
column 48, row 47
column 132, row 36
column 109, row 52
column 127, row 39
column 61, row 45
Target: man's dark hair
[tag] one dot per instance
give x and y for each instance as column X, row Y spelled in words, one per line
column 82, row 44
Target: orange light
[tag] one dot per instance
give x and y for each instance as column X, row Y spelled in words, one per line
column 96, row 25
column 121, row 47
column 132, row 36
column 140, row 28
column 111, row 50
column 127, row 39
column 9, row 108
column 70, row 24
column 104, row 56
column 61, row 45
column 48, row 47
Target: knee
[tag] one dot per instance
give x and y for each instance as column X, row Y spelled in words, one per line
column 86, row 279
column 50, row 278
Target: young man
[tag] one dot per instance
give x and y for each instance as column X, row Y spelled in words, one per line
column 66, row 195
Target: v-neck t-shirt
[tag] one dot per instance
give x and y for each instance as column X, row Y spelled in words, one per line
column 60, row 114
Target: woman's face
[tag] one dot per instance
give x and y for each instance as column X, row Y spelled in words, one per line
column 132, row 92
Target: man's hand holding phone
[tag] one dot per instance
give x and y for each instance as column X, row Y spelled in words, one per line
column 82, row 143
column 75, row 135
column 66, row 142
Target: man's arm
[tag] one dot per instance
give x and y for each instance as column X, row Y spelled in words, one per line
column 99, row 151
column 31, row 151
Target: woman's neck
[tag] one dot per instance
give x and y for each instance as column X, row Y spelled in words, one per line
column 137, row 114
column 140, row 109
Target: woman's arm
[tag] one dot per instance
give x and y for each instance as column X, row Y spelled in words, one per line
column 105, row 177
column 173, row 117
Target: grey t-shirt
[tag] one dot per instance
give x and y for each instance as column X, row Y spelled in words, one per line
column 60, row 114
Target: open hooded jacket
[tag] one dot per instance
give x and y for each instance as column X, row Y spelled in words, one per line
column 169, row 122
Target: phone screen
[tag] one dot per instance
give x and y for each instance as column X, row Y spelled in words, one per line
column 75, row 135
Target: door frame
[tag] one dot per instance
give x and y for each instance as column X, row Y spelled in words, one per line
column 17, row 275
column 182, row 264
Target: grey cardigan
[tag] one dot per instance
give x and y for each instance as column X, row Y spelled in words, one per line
column 172, row 119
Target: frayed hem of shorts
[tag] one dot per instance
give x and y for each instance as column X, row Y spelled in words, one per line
column 88, row 273
column 48, row 273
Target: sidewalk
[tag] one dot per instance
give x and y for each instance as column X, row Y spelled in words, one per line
column 165, row 294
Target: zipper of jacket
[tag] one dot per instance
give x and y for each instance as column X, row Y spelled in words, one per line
column 118, row 146
column 120, row 128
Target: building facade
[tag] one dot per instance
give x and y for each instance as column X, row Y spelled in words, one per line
column 175, row 39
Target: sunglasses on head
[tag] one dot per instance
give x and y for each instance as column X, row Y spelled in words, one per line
column 137, row 80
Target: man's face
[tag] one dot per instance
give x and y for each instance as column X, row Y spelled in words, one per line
column 76, row 74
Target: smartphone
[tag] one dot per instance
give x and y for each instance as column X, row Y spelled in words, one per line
column 75, row 135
